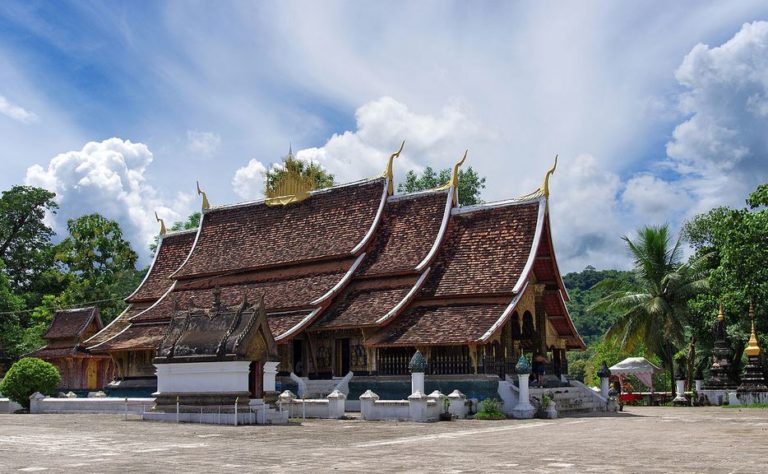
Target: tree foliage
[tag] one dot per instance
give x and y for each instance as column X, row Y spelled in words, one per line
column 654, row 307
column 192, row 222
column 27, row 376
column 25, row 238
column 471, row 184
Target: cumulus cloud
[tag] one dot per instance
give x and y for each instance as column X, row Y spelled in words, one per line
column 16, row 112
column 382, row 125
column 109, row 177
column 248, row 182
column 586, row 215
column 203, row 143
column 721, row 150
column 655, row 201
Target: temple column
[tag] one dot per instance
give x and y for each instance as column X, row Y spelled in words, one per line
column 540, row 317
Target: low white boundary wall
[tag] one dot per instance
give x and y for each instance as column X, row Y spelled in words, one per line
column 8, row 406
column 39, row 403
column 330, row 407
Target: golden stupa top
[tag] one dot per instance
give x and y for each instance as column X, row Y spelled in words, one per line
column 721, row 315
column 753, row 346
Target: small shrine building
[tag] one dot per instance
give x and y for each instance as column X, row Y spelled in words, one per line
column 79, row 368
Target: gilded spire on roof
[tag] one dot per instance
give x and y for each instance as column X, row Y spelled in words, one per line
column 200, row 192
column 454, row 182
column 388, row 172
column 753, row 346
column 545, row 186
column 290, row 187
column 162, row 224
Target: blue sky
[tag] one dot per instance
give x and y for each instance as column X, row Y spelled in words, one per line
column 658, row 111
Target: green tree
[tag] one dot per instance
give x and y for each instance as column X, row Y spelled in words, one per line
column 738, row 241
column 11, row 330
column 25, row 239
column 27, row 376
column 319, row 175
column 102, row 264
column 653, row 309
column 471, row 184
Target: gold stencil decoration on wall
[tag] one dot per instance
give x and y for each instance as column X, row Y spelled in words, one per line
column 289, row 188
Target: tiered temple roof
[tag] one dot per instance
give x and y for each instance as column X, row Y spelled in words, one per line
column 64, row 338
column 414, row 269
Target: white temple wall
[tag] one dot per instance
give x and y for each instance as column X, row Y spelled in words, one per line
column 203, row 377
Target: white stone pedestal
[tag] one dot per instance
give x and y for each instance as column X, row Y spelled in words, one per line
column 458, row 404
column 523, row 409
column 604, row 387
column 270, row 372
column 417, row 409
column 680, row 392
column 417, row 382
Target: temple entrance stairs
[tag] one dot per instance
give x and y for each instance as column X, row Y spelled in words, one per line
column 308, row 388
column 570, row 400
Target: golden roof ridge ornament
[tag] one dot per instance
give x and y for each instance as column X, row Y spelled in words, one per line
column 289, row 188
column 455, row 177
column 545, row 186
column 388, row 172
column 162, row 224
column 200, row 192
column 753, row 346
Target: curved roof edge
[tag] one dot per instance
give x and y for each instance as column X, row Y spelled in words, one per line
column 407, row 299
column 440, row 234
column 504, row 315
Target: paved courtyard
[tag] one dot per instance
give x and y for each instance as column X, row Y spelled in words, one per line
column 640, row 439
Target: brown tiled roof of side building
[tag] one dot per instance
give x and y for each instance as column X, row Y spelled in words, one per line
column 362, row 307
column 408, row 231
column 330, row 223
column 281, row 294
column 134, row 337
column 71, row 323
column 118, row 324
column 484, row 251
column 171, row 252
column 439, row 325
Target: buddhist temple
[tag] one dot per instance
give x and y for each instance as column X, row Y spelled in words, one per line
column 79, row 368
column 354, row 278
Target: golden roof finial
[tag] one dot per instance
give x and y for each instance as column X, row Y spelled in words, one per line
column 200, row 192
column 545, row 186
column 162, row 224
column 721, row 315
column 753, row 346
column 388, row 172
column 290, row 187
column 455, row 178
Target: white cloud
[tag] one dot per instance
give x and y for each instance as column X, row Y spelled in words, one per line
column 203, row 143
column 438, row 140
column 16, row 112
column 587, row 221
column 109, row 177
column 248, row 182
column 721, row 150
column 656, row 201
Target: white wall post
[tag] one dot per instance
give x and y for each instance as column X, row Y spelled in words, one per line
column 458, row 404
column 417, row 382
column 336, row 401
column 604, row 387
column 680, row 389
column 523, row 409
column 270, row 372
column 34, row 402
column 417, row 406
column 367, row 402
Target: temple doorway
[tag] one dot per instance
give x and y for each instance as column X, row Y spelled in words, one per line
column 254, row 379
column 342, row 357
column 298, row 357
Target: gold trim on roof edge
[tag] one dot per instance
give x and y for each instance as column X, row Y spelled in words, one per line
column 162, row 224
column 388, row 171
column 292, row 187
column 200, row 192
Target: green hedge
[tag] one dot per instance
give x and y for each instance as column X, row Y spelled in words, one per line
column 27, row 376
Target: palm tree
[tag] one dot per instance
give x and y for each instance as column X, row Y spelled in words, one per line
column 653, row 309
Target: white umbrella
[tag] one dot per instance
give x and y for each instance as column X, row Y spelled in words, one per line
column 640, row 367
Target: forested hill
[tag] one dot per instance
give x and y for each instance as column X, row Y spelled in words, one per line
column 591, row 325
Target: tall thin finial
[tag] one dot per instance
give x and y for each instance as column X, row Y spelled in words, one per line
column 290, row 150
column 753, row 346
column 455, row 178
column 162, row 224
column 388, row 172
column 545, row 186
column 721, row 315
column 200, row 192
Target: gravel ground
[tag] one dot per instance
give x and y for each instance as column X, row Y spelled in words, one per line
column 640, row 439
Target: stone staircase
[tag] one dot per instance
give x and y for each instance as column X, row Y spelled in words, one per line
column 308, row 388
column 572, row 400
